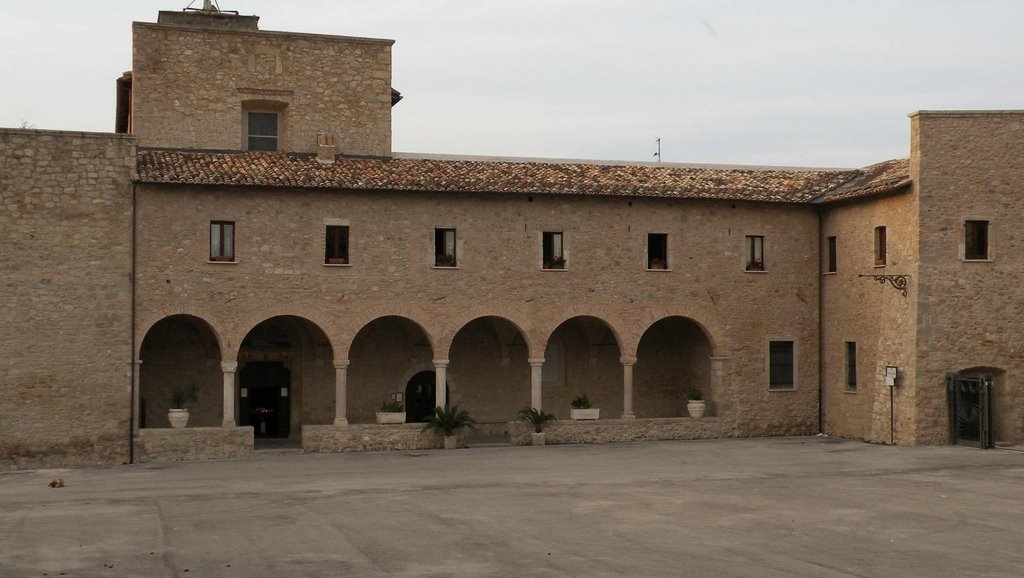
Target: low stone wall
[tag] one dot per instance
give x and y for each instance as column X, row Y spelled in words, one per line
column 368, row 438
column 194, row 443
column 620, row 430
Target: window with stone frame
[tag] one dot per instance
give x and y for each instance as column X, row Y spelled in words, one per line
column 781, row 365
column 976, row 240
column 222, row 241
column 755, row 253
column 553, row 250
column 444, row 248
column 880, row 246
column 261, row 128
column 657, row 251
column 851, row 366
column 336, row 245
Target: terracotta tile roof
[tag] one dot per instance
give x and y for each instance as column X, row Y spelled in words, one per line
column 878, row 179
column 492, row 176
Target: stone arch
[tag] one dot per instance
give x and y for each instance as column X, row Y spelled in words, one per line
column 358, row 321
column 516, row 319
column 316, row 318
column 144, row 325
column 180, row 352
column 583, row 356
column 643, row 320
column 673, row 355
column 489, row 357
column 381, row 355
column 285, row 368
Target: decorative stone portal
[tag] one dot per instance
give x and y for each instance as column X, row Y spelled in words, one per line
column 286, row 378
column 179, row 352
column 385, row 356
column 489, row 363
column 673, row 356
column 583, row 357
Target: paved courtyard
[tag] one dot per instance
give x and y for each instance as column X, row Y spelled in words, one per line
column 766, row 507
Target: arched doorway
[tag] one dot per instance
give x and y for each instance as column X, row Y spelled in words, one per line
column 674, row 355
column 285, row 378
column 420, row 397
column 180, row 352
column 385, row 355
column 489, row 363
column 582, row 356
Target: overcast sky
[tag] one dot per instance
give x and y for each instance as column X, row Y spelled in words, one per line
column 803, row 83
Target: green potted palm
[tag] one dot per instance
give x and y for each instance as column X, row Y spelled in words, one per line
column 582, row 410
column 446, row 422
column 178, row 414
column 391, row 412
column 696, row 406
column 537, row 419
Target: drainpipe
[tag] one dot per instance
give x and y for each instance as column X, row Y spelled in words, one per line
column 131, row 409
column 821, row 330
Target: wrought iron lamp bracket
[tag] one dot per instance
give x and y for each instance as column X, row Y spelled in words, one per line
column 899, row 282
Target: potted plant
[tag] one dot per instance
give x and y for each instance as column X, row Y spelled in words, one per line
column 555, row 263
column 696, row 406
column 391, row 412
column 178, row 414
column 537, row 419
column 581, row 409
column 444, row 260
column 446, row 422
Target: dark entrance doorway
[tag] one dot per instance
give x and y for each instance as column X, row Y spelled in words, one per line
column 970, row 410
column 265, row 404
column 420, row 397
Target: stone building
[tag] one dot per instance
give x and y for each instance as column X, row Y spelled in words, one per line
column 248, row 234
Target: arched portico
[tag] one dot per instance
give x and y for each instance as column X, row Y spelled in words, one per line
column 489, row 361
column 285, row 377
column 673, row 356
column 383, row 355
column 179, row 352
column 583, row 356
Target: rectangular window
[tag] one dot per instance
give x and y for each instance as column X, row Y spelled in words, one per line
column 336, row 245
column 444, row 248
column 222, row 241
column 262, row 131
column 851, row 366
column 657, row 251
column 976, row 240
column 780, row 365
column 880, row 246
column 755, row 253
column 831, row 249
column 552, row 253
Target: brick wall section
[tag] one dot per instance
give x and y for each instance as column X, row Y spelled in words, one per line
column 280, row 236
column 971, row 166
column 189, row 86
column 873, row 315
column 65, row 222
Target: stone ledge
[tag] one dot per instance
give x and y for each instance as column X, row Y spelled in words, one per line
column 193, row 443
column 604, row 431
column 368, row 438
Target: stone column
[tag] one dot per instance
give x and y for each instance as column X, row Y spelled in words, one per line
column 229, row 367
column 340, row 392
column 627, row 387
column 440, row 382
column 719, row 385
column 137, row 395
column 536, row 375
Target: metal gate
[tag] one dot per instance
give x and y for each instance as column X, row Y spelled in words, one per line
column 970, row 410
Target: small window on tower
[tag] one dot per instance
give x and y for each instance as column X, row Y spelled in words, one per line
column 444, row 248
column 222, row 241
column 657, row 251
column 976, row 240
column 755, row 253
column 336, row 245
column 880, row 246
column 831, row 264
column 553, row 255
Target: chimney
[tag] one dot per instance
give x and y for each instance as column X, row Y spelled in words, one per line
column 325, row 148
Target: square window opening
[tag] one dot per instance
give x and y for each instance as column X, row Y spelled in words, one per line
column 336, row 245
column 880, row 246
column 553, row 255
column 261, row 131
column 222, row 240
column 780, row 365
column 976, row 240
column 657, row 251
column 755, row 253
column 444, row 248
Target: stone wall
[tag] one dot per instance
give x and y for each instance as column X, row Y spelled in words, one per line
column 193, row 444
column 191, row 87
column 619, row 431
column 280, row 271
column 970, row 166
column 65, row 253
column 872, row 314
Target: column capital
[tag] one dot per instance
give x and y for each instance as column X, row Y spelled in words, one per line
column 627, row 360
column 229, row 366
column 439, row 363
column 341, row 363
column 536, row 361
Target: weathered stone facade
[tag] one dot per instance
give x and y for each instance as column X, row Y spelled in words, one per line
column 117, row 294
